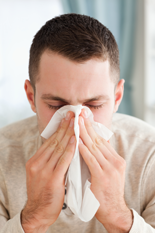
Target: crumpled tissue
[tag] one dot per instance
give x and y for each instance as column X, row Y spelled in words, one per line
column 79, row 197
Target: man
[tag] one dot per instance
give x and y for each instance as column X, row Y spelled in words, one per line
column 74, row 60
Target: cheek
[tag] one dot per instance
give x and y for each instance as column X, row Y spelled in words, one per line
column 104, row 115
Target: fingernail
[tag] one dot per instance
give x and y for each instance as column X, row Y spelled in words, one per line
column 72, row 139
column 85, row 113
column 80, row 141
column 71, row 123
column 67, row 116
column 81, row 120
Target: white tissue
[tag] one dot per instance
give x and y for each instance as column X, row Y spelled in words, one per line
column 79, row 197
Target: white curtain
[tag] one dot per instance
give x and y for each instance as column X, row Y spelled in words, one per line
column 119, row 16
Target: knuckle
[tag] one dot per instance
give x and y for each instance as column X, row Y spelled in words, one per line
column 69, row 149
column 59, row 130
column 63, row 160
column 120, row 165
column 98, row 141
column 94, row 147
column 92, row 160
column 33, row 169
column 60, row 149
column 54, row 143
column 50, row 138
column 103, row 141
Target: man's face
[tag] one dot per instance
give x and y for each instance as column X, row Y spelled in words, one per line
column 64, row 82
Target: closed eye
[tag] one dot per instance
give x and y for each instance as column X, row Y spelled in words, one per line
column 88, row 105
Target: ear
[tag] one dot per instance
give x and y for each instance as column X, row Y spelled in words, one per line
column 119, row 94
column 30, row 94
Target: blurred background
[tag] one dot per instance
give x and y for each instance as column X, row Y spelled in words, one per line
column 131, row 21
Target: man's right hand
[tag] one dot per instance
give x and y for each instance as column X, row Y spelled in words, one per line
column 45, row 173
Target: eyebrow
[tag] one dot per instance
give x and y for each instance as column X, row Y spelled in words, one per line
column 52, row 97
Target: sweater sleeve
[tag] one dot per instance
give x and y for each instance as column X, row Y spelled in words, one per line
column 145, row 222
column 13, row 225
column 139, row 224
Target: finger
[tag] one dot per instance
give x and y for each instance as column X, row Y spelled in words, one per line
column 90, row 160
column 111, row 149
column 93, row 134
column 65, row 160
column 50, row 144
column 105, row 147
column 43, row 158
column 61, row 147
column 43, row 147
column 64, row 126
column 88, row 142
column 55, row 148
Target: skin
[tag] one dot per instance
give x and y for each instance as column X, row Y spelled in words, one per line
column 62, row 81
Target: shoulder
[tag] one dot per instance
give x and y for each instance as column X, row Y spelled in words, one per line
column 132, row 127
column 133, row 139
column 19, row 140
column 19, row 130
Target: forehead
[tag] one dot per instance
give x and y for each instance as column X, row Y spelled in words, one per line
column 68, row 79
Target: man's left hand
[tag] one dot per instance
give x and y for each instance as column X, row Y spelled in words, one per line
column 107, row 170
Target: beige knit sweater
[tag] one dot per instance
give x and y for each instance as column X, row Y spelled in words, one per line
column 133, row 139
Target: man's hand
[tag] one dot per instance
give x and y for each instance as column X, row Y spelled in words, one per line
column 107, row 170
column 46, row 172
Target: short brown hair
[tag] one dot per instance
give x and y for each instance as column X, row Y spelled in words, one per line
column 77, row 37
